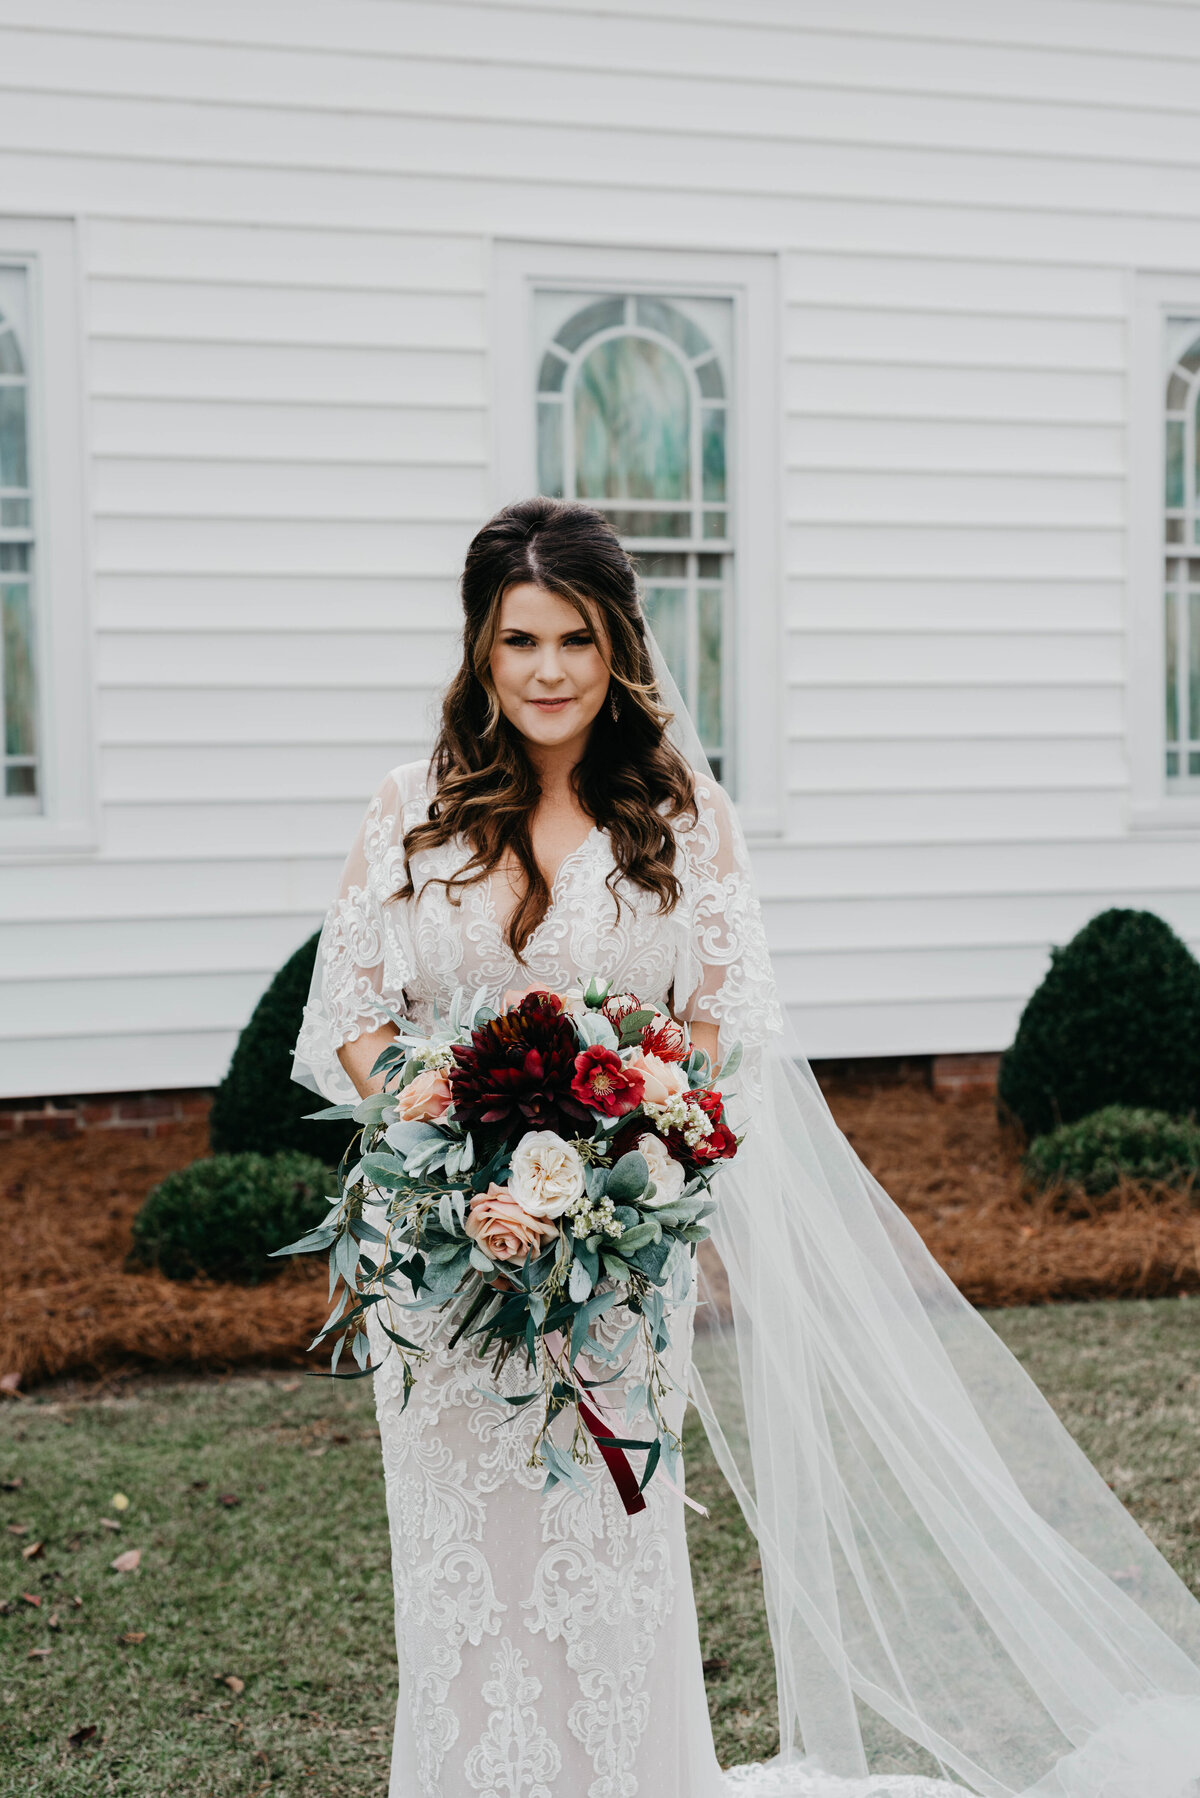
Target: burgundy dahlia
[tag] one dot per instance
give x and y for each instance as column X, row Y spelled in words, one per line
column 518, row 1070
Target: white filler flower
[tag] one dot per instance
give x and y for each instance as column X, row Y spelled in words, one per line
column 547, row 1174
column 665, row 1171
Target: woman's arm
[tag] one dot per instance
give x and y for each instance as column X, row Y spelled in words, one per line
column 704, row 1036
column 360, row 1056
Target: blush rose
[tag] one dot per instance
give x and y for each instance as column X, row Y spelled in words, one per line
column 503, row 1229
column 425, row 1100
column 662, row 1080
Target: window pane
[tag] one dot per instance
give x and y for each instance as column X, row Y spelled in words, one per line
column 602, row 315
column 713, row 438
column 631, row 423
column 666, row 610
column 20, row 783
column 708, row 695
column 1175, row 462
column 14, row 558
column 714, row 524
column 1191, row 357
column 1172, row 763
column 550, row 378
column 18, row 671
column 14, row 471
column 711, row 568
column 550, row 448
column 650, row 524
column 1177, row 392
column 1174, row 530
column 1193, row 679
column 712, row 386
column 1172, row 672
column 669, row 321
column 662, row 565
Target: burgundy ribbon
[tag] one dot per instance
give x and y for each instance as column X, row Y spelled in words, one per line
column 615, row 1459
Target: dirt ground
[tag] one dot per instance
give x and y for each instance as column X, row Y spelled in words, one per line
column 67, row 1305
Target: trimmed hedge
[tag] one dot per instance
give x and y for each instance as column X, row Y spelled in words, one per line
column 258, row 1106
column 1121, row 1142
column 224, row 1216
column 1116, row 1021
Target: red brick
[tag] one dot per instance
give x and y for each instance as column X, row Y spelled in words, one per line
column 953, row 1075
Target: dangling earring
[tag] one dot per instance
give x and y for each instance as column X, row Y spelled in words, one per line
column 614, row 704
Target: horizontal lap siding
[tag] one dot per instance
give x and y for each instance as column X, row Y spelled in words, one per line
column 286, row 292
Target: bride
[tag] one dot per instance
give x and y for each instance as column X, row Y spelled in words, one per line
column 933, row 1544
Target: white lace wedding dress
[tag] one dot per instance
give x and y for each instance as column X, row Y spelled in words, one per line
column 547, row 1648
column 933, row 1543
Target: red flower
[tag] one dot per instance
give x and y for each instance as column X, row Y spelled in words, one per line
column 666, row 1039
column 518, row 1070
column 602, row 1083
column 721, row 1145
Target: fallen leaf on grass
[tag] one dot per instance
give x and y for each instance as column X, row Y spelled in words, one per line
column 133, row 1637
column 128, row 1562
column 52, row 1621
column 340, row 1441
column 228, row 1499
column 81, row 1735
column 289, row 1385
column 38, row 1654
column 236, row 1686
column 77, row 1603
column 9, row 1383
column 30, row 1598
column 12, row 1485
column 716, row 1665
column 33, row 1551
column 199, row 1485
column 7, row 1607
column 110, row 1523
column 120, row 1502
column 18, row 1529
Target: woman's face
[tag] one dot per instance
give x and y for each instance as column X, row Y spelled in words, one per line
column 547, row 668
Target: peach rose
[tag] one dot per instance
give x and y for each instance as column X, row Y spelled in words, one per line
column 425, row 1100
column 665, row 1080
column 503, row 1229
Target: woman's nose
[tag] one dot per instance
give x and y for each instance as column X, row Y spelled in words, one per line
column 549, row 667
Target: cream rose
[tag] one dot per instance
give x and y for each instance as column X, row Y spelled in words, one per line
column 666, row 1173
column 547, row 1174
column 665, row 1080
column 425, row 1100
column 502, row 1228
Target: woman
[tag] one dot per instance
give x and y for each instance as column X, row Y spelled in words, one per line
column 932, row 1541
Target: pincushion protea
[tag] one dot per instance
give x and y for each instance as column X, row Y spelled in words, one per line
column 519, row 1068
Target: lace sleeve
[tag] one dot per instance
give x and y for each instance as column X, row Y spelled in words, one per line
column 723, row 968
column 364, row 956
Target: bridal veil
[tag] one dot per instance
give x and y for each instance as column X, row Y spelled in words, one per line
column 934, row 1544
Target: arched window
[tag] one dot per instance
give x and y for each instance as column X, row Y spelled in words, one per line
column 18, row 699
column 633, row 413
column 1181, row 544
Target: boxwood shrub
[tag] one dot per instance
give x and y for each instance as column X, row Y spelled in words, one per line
column 1118, row 1143
column 258, row 1106
column 1116, row 1021
column 225, row 1215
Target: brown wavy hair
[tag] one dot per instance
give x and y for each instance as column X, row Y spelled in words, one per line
column 631, row 780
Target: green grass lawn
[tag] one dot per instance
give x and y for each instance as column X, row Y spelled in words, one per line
column 257, row 1504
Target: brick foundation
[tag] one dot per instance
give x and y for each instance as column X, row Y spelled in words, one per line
column 150, row 1114
column 949, row 1076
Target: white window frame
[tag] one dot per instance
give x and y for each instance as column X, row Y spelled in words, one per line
column 753, row 448
column 47, row 248
column 1156, row 296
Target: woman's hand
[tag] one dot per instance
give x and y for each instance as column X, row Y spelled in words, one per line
column 360, row 1056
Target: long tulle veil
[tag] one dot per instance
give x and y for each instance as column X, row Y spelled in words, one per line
column 933, row 1543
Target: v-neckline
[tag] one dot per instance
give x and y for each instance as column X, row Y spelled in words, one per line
column 571, row 856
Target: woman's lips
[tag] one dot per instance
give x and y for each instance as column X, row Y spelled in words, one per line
column 550, row 705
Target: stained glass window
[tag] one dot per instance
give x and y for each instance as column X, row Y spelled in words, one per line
column 18, row 696
column 632, row 416
column 1181, row 550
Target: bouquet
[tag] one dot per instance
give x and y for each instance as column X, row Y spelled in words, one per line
column 526, row 1172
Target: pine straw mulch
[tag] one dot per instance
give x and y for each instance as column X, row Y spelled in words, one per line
column 67, row 1305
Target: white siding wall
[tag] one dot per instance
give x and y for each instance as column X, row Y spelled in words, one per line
column 286, row 212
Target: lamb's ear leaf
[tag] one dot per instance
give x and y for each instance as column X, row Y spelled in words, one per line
column 628, row 1178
